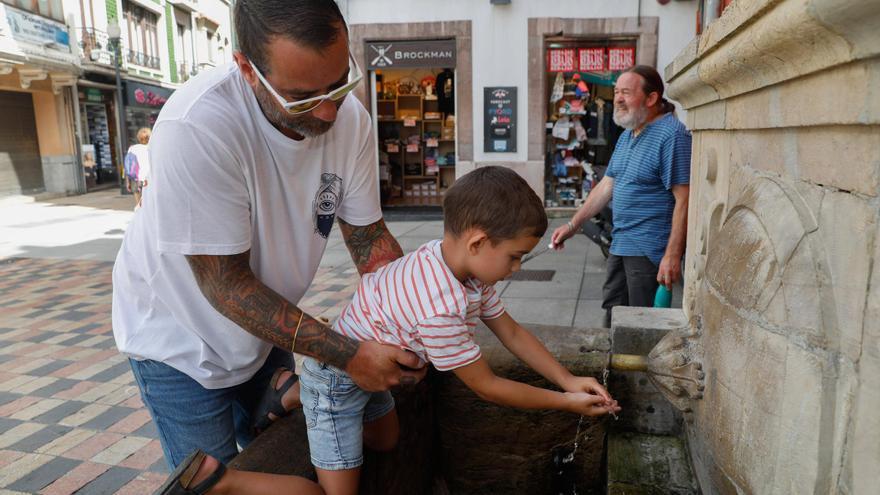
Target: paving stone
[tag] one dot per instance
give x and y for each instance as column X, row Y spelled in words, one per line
column 75, row 479
column 33, row 442
column 58, row 385
column 75, row 315
column 44, row 475
column 112, row 372
column 108, row 418
column 60, row 412
column 110, row 482
column 148, row 430
column 85, row 328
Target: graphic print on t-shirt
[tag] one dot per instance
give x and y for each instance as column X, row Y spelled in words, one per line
column 326, row 200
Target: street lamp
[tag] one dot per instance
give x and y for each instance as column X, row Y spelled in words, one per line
column 114, row 32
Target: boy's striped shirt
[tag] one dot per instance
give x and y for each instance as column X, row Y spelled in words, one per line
column 416, row 303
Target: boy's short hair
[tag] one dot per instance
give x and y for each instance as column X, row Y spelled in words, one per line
column 496, row 200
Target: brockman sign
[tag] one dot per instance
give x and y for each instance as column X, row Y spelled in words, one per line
column 411, row 53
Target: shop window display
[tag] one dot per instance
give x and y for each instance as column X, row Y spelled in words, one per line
column 415, row 117
column 581, row 134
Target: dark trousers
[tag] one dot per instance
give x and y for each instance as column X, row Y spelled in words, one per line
column 630, row 281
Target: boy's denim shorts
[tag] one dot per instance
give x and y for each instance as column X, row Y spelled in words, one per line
column 336, row 410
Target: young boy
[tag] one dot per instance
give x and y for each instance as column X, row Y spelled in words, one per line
column 429, row 302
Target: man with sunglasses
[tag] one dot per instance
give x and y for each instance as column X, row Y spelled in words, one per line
column 253, row 161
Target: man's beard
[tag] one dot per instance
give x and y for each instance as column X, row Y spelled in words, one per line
column 630, row 119
column 305, row 125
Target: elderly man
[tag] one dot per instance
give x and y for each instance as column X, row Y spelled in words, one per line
column 648, row 178
column 253, row 162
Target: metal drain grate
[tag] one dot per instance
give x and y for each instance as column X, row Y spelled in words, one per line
column 532, row 276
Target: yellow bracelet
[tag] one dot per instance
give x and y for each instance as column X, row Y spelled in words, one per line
column 295, row 332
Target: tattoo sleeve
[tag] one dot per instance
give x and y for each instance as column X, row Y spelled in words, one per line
column 371, row 246
column 234, row 291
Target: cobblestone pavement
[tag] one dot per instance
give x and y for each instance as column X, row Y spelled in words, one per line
column 71, row 418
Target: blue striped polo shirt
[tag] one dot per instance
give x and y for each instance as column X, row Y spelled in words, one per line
column 644, row 169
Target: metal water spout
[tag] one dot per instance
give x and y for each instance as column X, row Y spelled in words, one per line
column 672, row 365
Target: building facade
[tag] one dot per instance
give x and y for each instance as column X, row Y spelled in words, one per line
column 526, row 84
column 38, row 70
column 58, row 76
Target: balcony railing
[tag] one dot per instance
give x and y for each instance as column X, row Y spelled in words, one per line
column 143, row 60
column 95, row 46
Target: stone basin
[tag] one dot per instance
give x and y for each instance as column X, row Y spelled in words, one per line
column 453, row 442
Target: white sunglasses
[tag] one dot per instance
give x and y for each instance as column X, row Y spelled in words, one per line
column 309, row 104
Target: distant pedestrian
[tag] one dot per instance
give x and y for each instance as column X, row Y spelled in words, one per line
column 648, row 178
column 137, row 165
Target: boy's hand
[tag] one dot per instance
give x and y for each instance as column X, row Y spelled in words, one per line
column 589, row 404
column 586, row 384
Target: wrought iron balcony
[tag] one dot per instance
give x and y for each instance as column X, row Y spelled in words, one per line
column 143, row 60
column 95, row 46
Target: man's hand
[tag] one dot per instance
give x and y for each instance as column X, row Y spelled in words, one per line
column 589, row 404
column 561, row 234
column 670, row 271
column 377, row 367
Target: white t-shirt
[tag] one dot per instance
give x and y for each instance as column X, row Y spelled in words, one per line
column 226, row 181
column 143, row 157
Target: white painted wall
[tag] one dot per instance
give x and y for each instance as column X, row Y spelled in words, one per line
column 500, row 40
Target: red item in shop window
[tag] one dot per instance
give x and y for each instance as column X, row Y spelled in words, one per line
column 560, row 60
column 591, row 59
column 621, row 58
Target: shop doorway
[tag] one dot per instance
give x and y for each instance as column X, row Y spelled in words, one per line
column 413, row 105
column 21, row 168
column 581, row 133
column 99, row 149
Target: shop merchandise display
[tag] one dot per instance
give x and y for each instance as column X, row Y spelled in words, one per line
column 580, row 137
column 416, row 130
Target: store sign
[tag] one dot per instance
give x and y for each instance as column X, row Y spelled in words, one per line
column 561, row 60
column 621, row 58
column 591, row 59
column 145, row 95
column 499, row 117
column 36, row 29
column 93, row 94
column 416, row 53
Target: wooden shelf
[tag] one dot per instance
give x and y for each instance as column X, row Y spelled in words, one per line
column 419, row 177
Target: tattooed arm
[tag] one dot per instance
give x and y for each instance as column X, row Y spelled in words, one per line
column 235, row 292
column 371, row 246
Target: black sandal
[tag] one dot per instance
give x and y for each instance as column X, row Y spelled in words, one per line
column 270, row 402
column 178, row 482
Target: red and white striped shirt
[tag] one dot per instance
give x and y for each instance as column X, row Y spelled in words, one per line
column 418, row 304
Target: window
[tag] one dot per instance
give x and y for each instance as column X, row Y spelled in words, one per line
column 46, row 8
column 210, row 45
column 143, row 37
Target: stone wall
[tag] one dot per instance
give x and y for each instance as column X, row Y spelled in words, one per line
column 783, row 98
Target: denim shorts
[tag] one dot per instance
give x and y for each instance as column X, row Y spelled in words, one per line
column 336, row 410
column 189, row 416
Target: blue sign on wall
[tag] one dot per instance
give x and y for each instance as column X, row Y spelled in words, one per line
column 36, row 29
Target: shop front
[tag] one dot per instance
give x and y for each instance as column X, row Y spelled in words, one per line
column 142, row 105
column 97, row 113
column 580, row 131
column 419, row 92
column 413, row 108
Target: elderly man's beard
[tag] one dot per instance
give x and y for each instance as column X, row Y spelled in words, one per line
column 305, row 125
column 630, row 118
